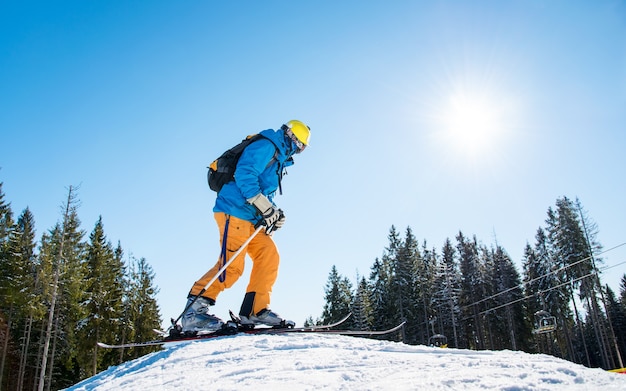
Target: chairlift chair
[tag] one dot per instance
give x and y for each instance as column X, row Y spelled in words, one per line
column 544, row 322
column 438, row 340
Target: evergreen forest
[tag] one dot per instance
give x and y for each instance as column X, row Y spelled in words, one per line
column 469, row 295
column 61, row 294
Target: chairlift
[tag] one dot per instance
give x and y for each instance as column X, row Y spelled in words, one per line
column 544, row 322
column 438, row 340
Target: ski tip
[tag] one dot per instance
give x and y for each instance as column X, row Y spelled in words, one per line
column 398, row 327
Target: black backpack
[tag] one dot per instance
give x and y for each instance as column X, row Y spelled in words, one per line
column 222, row 170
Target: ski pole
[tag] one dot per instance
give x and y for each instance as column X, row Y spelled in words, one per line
column 222, row 269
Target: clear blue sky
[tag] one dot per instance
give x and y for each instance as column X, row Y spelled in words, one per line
column 438, row 115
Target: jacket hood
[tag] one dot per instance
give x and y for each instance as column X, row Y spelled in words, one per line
column 285, row 147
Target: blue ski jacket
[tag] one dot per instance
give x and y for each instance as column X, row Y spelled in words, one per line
column 259, row 170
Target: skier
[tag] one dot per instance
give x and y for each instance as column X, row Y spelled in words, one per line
column 240, row 205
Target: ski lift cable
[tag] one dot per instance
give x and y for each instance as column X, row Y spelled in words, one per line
column 544, row 275
column 537, row 293
column 602, row 269
column 548, row 290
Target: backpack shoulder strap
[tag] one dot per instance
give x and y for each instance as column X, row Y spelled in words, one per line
column 259, row 136
column 279, row 171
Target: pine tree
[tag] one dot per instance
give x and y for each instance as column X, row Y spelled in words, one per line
column 543, row 277
column 47, row 261
column 362, row 313
column 338, row 296
column 557, row 293
column 446, row 293
column 531, row 278
column 6, row 291
column 21, row 247
column 123, row 324
column 65, row 309
column 472, row 293
column 18, row 290
column 142, row 308
column 425, row 314
column 574, row 247
column 514, row 329
column 387, row 293
column 491, row 318
column 609, row 343
column 571, row 246
column 6, row 219
column 103, row 301
column 380, row 281
column 617, row 313
column 412, row 285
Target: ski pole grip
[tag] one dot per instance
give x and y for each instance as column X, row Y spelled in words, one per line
column 269, row 230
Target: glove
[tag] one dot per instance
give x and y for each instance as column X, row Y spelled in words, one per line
column 281, row 220
column 268, row 211
column 279, row 223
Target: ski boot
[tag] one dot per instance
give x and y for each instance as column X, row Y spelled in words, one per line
column 197, row 320
column 267, row 318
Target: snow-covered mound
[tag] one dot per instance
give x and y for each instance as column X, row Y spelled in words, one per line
column 315, row 362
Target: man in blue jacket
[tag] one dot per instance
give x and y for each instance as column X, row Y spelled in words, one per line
column 240, row 205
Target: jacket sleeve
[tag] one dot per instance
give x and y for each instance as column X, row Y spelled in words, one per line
column 253, row 161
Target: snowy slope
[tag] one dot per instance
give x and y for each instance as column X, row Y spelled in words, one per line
column 318, row 362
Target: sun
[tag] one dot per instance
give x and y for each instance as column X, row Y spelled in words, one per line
column 471, row 122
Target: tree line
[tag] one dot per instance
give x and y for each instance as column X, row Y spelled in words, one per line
column 471, row 296
column 61, row 294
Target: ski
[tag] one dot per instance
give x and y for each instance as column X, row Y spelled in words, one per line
column 229, row 329
column 308, row 329
column 321, row 329
column 327, row 326
column 355, row 332
column 235, row 319
column 226, row 330
column 287, row 326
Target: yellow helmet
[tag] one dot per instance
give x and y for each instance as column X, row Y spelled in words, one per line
column 300, row 130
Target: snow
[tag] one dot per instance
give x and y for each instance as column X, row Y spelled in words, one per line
column 333, row 362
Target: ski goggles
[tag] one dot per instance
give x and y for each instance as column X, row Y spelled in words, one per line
column 299, row 144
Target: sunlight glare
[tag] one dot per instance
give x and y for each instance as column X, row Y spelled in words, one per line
column 471, row 123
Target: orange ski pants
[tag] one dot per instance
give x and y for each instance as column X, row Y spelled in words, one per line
column 265, row 260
